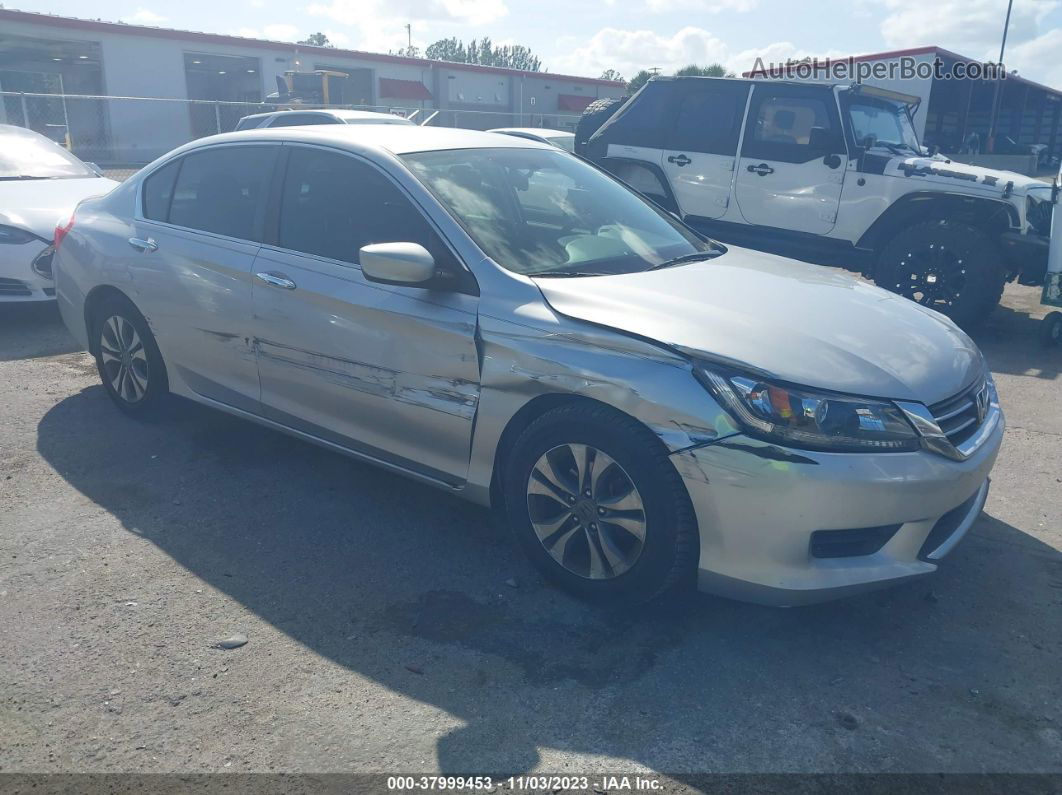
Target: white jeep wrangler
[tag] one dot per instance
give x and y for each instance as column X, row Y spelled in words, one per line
column 827, row 174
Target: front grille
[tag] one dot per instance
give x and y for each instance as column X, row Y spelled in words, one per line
column 14, row 287
column 959, row 416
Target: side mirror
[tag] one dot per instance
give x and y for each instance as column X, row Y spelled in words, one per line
column 822, row 140
column 396, row 263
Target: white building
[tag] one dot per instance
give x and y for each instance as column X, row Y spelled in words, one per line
column 70, row 59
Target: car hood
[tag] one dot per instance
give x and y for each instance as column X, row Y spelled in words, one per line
column 943, row 171
column 36, row 205
column 801, row 323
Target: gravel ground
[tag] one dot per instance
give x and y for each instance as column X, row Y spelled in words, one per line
column 383, row 634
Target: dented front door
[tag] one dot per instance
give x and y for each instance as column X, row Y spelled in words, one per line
column 388, row 371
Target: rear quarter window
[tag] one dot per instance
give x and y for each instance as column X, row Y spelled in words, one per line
column 158, row 192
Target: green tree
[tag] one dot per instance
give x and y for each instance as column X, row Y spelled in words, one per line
column 638, row 81
column 712, row 70
column 482, row 51
column 611, row 74
column 316, row 40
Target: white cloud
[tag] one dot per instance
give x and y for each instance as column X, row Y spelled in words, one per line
column 972, row 27
column 144, row 16
column 702, row 6
column 629, row 51
column 277, row 32
column 1037, row 59
column 361, row 12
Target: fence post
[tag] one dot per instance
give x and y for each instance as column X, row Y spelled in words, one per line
column 25, row 114
column 217, row 116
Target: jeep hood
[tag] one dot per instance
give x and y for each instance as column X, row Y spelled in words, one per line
column 943, row 171
column 801, row 323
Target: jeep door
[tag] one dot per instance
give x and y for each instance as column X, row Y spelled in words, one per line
column 702, row 145
column 793, row 159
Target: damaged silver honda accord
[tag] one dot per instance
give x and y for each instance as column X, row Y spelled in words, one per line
column 501, row 319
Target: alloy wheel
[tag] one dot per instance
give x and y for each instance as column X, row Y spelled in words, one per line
column 933, row 276
column 124, row 359
column 586, row 511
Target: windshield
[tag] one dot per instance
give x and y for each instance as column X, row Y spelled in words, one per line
column 543, row 212
column 26, row 155
column 887, row 122
column 565, row 142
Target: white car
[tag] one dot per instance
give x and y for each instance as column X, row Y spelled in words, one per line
column 558, row 138
column 40, row 182
column 300, row 118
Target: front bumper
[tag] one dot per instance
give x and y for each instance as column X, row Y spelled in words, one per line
column 18, row 279
column 758, row 504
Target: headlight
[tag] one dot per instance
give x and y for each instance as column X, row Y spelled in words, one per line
column 12, row 234
column 808, row 418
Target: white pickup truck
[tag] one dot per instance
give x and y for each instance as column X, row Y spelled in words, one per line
column 832, row 174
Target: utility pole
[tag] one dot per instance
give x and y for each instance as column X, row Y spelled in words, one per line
column 409, row 37
column 996, row 98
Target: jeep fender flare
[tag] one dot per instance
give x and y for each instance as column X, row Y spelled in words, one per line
column 670, row 204
column 995, row 216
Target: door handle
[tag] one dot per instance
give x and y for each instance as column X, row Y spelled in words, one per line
column 276, row 280
column 762, row 169
column 144, row 245
column 679, row 160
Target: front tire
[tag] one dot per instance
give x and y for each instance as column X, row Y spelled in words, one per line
column 599, row 508
column 951, row 267
column 128, row 358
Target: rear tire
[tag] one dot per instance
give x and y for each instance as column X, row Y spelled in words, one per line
column 621, row 533
column 951, row 267
column 1051, row 330
column 128, row 358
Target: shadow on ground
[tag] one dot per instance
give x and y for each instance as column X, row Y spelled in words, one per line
column 375, row 572
column 31, row 330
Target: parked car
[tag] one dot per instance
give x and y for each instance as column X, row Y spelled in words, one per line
column 647, row 407
column 827, row 174
column 39, row 182
column 298, row 118
column 558, row 138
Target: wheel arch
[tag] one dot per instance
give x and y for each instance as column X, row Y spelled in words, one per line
column 995, row 216
column 669, row 203
column 95, row 298
column 524, row 416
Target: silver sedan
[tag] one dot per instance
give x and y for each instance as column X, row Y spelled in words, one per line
column 495, row 317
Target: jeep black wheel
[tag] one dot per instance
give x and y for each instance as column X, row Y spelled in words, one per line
column 953, row 268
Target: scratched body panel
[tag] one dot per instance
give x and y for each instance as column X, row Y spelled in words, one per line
column 385, row 368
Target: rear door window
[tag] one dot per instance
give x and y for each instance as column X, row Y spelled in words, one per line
column 709, row 119
column 158, row 192
column 223, row 190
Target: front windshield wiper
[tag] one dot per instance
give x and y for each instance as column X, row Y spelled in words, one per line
column 697, row 257
column 560, row 274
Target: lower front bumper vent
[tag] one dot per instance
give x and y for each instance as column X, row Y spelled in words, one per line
column 14, row 287
column 851, row 543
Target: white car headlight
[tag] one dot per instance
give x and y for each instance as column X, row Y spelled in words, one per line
column 810, row 418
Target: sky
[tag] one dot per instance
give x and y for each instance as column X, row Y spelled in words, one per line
column 586, row 38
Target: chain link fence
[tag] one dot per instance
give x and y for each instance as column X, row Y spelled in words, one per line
column 121, row 134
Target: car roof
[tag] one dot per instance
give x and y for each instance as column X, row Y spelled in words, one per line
column 398, row 139
column 540, row 132
column 339, row 113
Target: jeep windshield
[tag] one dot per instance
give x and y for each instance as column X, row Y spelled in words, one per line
column 882, row 123
column 545, row 213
